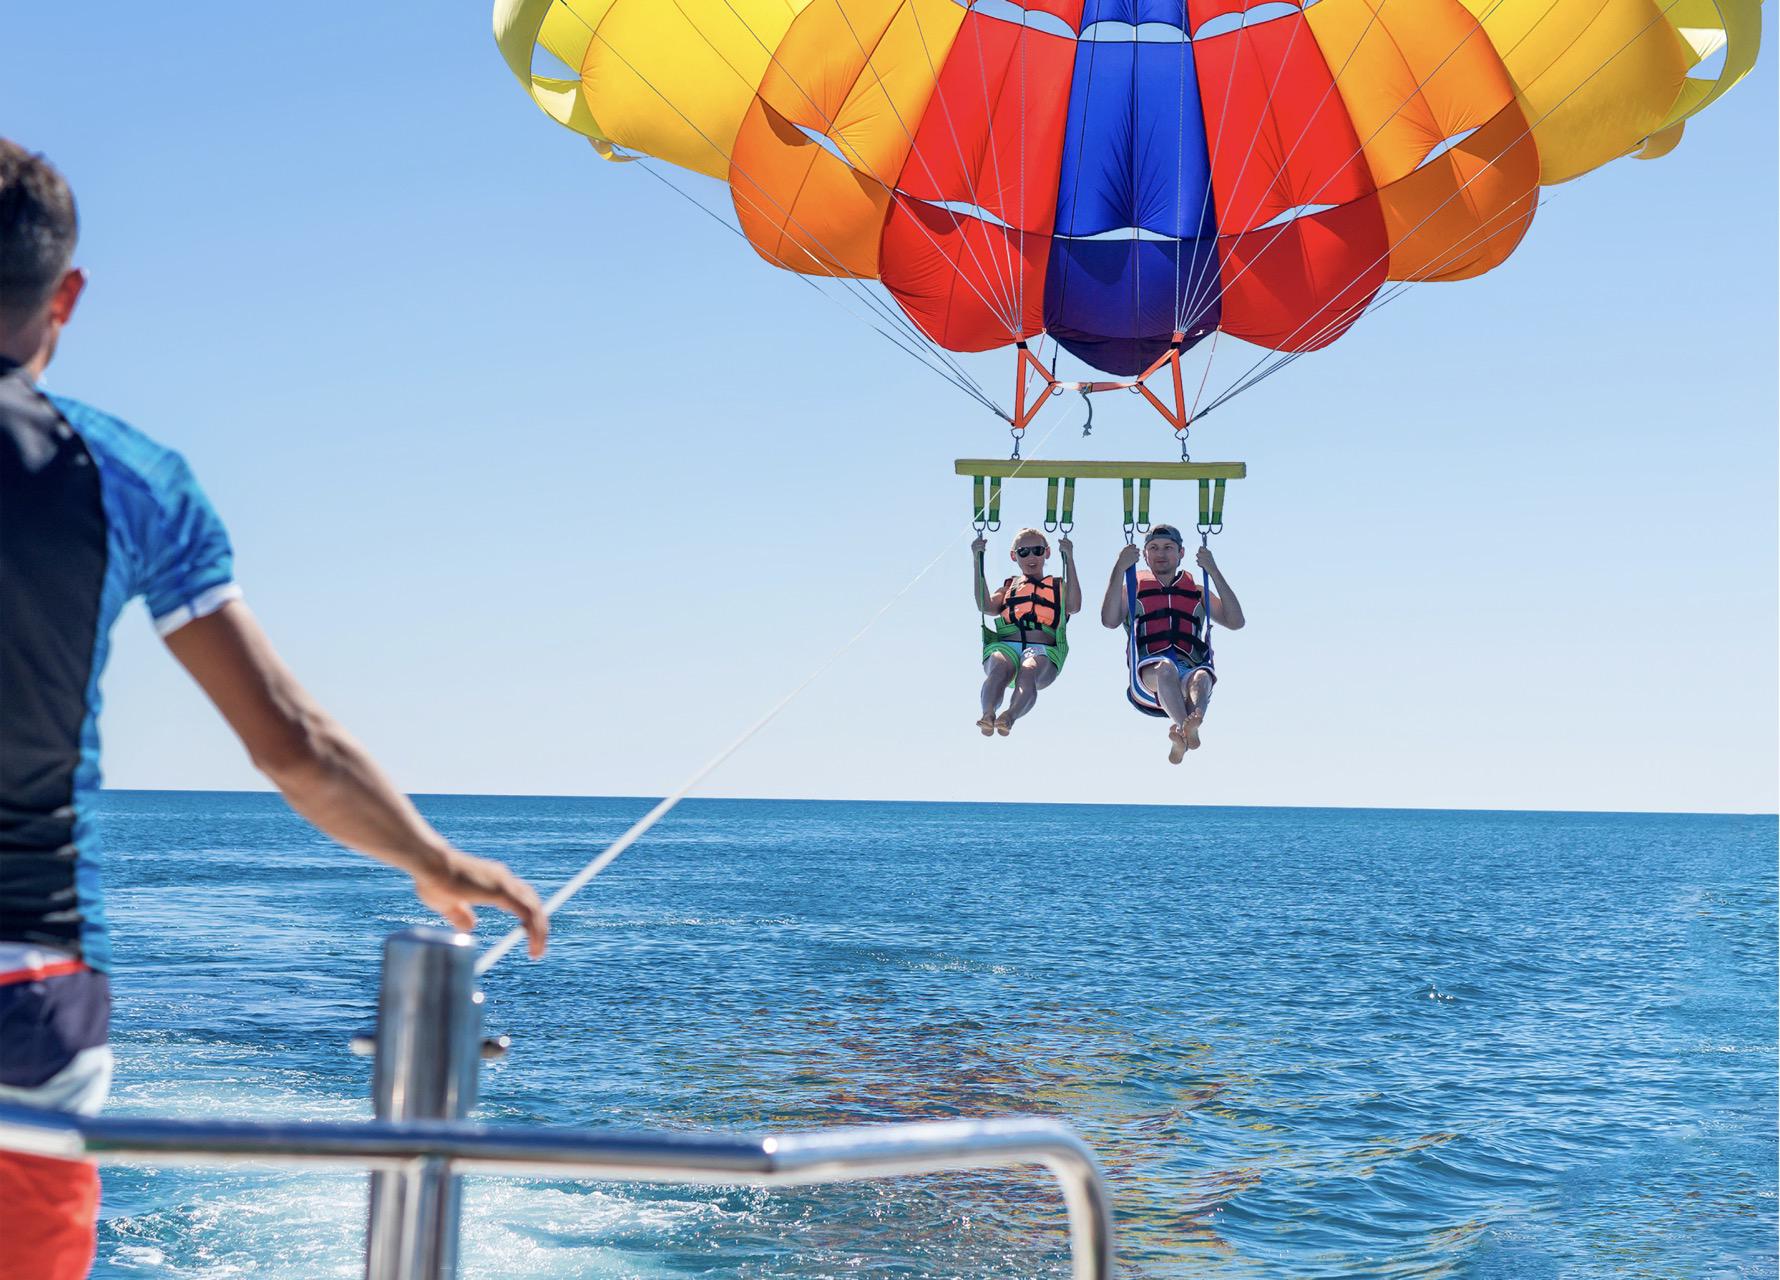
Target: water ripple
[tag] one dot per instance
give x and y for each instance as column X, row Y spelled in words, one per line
column 1306, row 1043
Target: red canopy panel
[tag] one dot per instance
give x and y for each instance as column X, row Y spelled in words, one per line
column 992, row 136
column 1279, row 134
column 1300, row 286
column 990, row 139
column 967, row 284
column 1282, row 145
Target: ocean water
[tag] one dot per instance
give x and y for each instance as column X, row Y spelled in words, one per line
column 1304, row 1042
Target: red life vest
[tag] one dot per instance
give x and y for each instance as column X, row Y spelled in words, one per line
column 1170, row 617
column 1032, row 604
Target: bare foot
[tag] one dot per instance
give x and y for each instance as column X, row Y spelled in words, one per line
column 1189, row 732
column 1177, row 744
column 987, row 724
column 1004, row 724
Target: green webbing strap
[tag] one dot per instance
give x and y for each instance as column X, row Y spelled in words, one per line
column 1205, row 504
column 1068, row 519
column 1217, row 505
column 1143, row 504
column 1130, row 507
column 1051, row 515
column 995, row 505
column 979, row 515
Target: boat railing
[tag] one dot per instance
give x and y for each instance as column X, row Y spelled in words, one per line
column 428, row 1048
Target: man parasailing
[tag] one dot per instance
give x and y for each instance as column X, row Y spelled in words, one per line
column 1171, row 654
column 1031, row 612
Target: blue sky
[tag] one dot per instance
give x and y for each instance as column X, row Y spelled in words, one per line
column 546, row 485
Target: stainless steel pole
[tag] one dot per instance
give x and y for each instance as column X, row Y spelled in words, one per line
column 429, row 1050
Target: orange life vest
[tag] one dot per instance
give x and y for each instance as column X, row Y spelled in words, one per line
column 1171, row 617
column 1032, row 604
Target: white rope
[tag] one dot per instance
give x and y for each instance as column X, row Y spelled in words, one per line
column 641, row 827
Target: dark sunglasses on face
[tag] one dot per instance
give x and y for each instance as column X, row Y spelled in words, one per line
column 1030, row 551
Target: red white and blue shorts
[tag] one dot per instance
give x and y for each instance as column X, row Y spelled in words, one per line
column 54, row 1017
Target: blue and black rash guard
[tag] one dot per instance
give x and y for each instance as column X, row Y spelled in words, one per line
column 92, row 515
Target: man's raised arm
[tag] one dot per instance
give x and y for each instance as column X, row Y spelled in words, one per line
column 331, row 780
column 1226, row 609
column 1112, row 608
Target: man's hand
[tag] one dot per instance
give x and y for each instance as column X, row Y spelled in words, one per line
column 1205, row 560
column 463, row 880
column 330, row 779
column 1127, row 558
column 1066, row 546
column 980, row 545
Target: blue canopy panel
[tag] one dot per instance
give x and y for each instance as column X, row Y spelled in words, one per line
column 1112, row 303
column 1134, row 255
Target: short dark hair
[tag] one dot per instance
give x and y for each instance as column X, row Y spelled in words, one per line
column 38, row 228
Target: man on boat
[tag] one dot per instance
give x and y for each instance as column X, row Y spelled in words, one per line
column 1171, row 644
column 93, row 514
column 1031, row 611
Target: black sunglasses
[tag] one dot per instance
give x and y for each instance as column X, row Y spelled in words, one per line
column 1031, row 551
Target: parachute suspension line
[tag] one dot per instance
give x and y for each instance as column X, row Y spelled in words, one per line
column 1206, row 270
column 1304, row 129
column 1359, row 151
column 1180, row 133
column 1076, row 185
column 858, row 161
column 1281, row 360
column 1462, row 187
column 1017, row 317
column 1002, row 286
column 883, row 309
column 641, row 827
column 854, row 286
column 1014, row 276
column 970, row 184
column 773, row 56
column 953, row 375
column 1020, row 269
column 1136, row 132
column 1193, row 413
column 1243, row 382
column 1254, row 142
column 1398, row 288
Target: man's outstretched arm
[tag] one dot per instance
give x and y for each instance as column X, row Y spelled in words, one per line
column 331, row 780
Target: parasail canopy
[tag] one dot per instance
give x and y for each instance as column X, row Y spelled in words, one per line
column 1130, row 176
